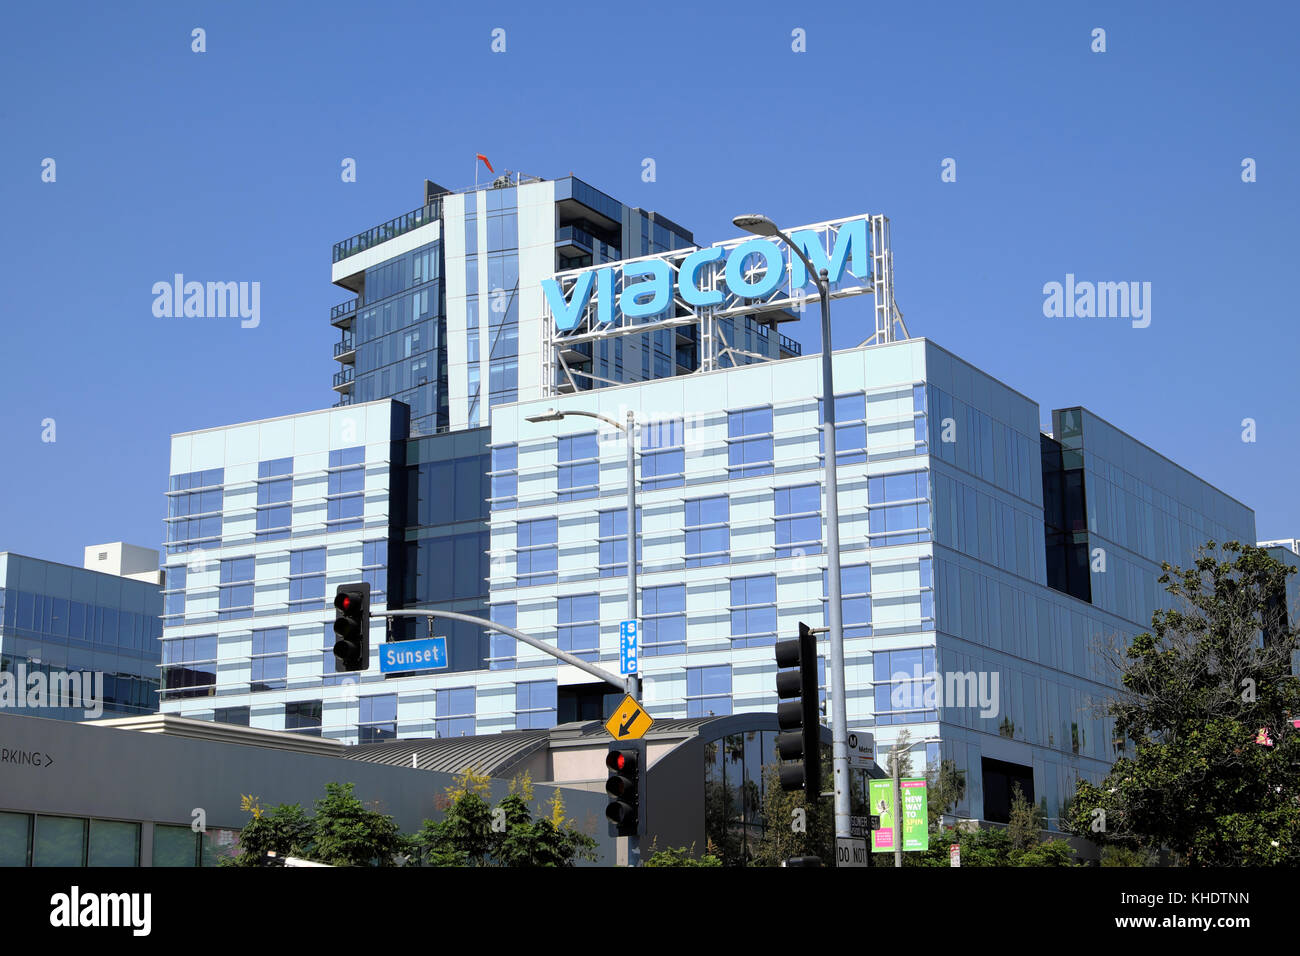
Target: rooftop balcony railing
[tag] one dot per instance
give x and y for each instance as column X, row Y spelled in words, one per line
column 388, row 230
column 342, row 314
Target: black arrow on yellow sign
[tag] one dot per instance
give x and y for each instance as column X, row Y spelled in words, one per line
column 626, row 727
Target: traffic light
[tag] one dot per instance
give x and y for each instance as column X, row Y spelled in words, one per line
column 352, row 627
column 626, row 763
column 797, row 714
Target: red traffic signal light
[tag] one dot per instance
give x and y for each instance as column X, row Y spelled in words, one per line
column 618, row 760
column 623, row 787
column 352, row 627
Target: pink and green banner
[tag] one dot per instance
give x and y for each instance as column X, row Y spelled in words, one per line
column 915, row 823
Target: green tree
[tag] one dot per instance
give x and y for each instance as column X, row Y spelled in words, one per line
column 780, row 841
column 473, row 833
column 1115, row 855
column 1193, row 696
column 1047, row 853
column 347, row 833
column 343, row 832
column 527, row 842
column 945, row 787
column 681, row 856
column 1027, row 821
column 286, row 830
column 463, row 837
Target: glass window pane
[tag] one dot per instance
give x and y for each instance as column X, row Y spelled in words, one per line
column 114, row 843
column 14, row 829
column 60, row 841
column 219, row 844
column 174, row 846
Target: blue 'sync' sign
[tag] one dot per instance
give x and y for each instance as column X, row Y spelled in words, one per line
column 627, row 647
column 648, row 284
column 423, row 655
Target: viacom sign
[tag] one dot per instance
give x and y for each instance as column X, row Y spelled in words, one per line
column 722, row 277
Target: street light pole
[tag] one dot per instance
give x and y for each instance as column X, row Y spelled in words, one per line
column 632, row 683
column 895, row 773
column 762, row 226
column 898, row 810
column 634, row 678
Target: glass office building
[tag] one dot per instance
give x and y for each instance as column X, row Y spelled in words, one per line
column 983, row 555
column 446, row 307
column 264, row 519
column 980, row 558
column 60, row 621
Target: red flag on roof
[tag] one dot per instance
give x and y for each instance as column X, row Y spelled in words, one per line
column 485, row 162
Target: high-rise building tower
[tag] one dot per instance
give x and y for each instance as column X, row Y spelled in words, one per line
column 447, row 314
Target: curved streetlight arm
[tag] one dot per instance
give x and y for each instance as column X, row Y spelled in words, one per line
column 517, row 634
column 807, row 263
column 604, row 418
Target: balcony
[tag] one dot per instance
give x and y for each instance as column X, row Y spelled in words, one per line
column 575, row 358
column 343, row 381
column 341, row 315
column 345, row 350
column 403, row 224
column 790, row 346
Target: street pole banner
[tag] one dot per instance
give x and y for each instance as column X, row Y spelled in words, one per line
column 915, row 824
column 880, row 793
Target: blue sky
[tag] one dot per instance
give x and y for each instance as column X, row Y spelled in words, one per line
column 1123, row 165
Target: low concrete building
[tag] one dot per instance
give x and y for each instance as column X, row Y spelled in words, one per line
column 166, row 791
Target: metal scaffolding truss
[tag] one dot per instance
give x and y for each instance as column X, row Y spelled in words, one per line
column 782, row 304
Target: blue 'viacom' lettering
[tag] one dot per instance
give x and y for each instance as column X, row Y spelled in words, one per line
column 651, row 293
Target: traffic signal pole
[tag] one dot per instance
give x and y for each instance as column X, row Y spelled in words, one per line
column 633, row 857
column 518, row 635
column 633, row 679
column 632, row 682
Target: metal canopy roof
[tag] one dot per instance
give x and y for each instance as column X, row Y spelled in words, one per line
column 493, row 754
column 498, row 755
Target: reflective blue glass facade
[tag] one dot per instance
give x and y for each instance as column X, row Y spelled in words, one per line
column 446, row 301
column 957, row 628
column 57, row 619
column 306, row 503
column 399, row 336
